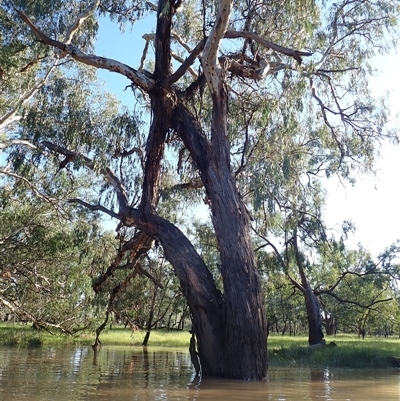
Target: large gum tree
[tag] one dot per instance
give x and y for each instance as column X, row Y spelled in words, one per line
column 246, row 95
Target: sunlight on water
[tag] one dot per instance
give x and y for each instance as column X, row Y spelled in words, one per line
column 120, row 373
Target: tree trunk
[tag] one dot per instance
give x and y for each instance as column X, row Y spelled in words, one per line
column 244, row 330
column 315, row 333
column 330, row 324
column 314, row 318
column 149, row 322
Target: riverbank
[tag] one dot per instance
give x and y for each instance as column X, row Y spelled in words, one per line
column 341, row 351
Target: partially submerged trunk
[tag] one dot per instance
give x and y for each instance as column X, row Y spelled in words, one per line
column 230, row 328
column 242, row 332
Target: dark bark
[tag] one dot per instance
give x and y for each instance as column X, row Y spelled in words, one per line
column 245, row 330
column 149, row 322
column 315, row 333
column 314, row 317
column 198, row 287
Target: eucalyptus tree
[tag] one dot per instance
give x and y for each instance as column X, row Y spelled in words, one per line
column 301, row 233
column 46, row 264
column 340, row 286
column 355, row 289
column 242, row 95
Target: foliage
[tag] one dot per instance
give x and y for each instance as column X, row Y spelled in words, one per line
column 46, row 265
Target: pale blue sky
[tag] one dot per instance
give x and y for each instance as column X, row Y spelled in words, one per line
column 373, row 202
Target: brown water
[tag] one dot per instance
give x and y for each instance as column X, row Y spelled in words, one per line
column 119, row 373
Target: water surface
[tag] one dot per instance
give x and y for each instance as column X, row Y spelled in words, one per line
column 121, row 373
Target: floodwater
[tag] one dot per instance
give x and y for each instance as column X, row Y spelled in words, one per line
column 122, row 373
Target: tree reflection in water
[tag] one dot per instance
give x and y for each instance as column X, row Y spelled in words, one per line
column 148, row 374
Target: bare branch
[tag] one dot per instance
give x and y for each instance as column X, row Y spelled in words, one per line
column 11, row 142
column 151, row 5
column 326, row 120
column 211, row 65
column 35, row 191
column 295, row 283
column 181, row 60
column 79, row 21
column 137, row 246
column 144, row 272
column 355, row 303
column 95, row 208
column 180, row 40
column 185, row 65
column 253, row 70
column 19, row 311
column 148, row 38
column 296, row 54
column 31, row 63
column 11, row 116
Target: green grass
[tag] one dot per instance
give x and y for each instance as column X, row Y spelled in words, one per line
column 23, row 335
column 158, row 338
column 350, row 352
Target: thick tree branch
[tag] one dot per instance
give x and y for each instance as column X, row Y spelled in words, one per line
column 296, row 54
column 95, row 208
column 187, row 263
column 211, row 66
column 186, row 63
column 181, row 60
column 162, row 41
column 162, row 104
column 79, row 21
column 139, row 78
column 261, row 70
column 194, row 140
column 184, row 66
column 137, row 247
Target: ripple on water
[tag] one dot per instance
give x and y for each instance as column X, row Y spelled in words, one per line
column 121, row 373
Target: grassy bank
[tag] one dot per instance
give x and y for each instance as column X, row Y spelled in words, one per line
column 24, row 335
column 349, row 352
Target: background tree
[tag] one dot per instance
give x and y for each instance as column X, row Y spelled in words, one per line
column 355, row 290
column 46, row 264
